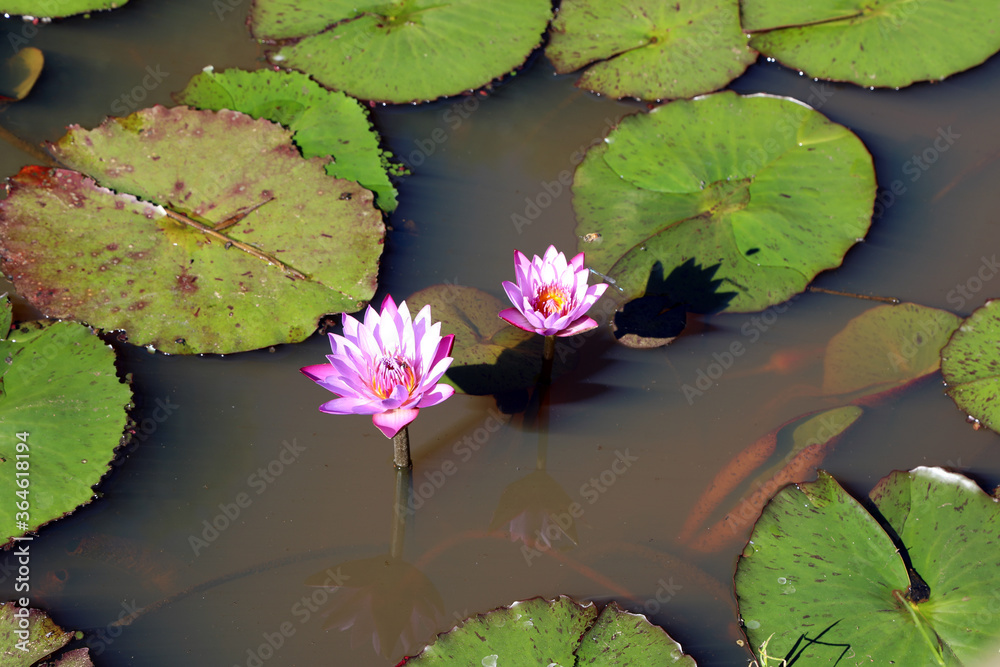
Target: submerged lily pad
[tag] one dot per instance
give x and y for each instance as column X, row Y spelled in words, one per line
column 324, row 122
column 822, row 580
column 561, row 631
column 761, row 193
column 886, row 348
column 490, row 356
column 401, row 50
column 804, row 442
column 235, row 242
column 882, row 43
column 42, row 639
column 650, row 49
column 970, row 363
column 65, row 411
column 56, row 8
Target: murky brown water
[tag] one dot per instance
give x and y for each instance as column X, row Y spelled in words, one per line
column 307, row 493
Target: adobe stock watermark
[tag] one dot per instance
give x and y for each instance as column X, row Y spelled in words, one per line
column 567, row 346
column 141, row 431
column 18, row 39
column 258, row 481
column 988, row 268
column 554, row 530
column 929, row 329
column 430, row 481
column 665, row 592
column 752, row 329
column 895, row 18
column 549, row 191
column 132, row 100
column 830, row 425
column 453, row 117
column 302, row 610
column 223, row 7
column 102, row 639
column 915, row 167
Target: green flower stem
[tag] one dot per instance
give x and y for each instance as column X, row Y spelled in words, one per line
column 548, row 356
column 401, row 449
column 404, row 481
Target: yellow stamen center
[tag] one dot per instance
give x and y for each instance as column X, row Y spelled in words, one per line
column 552, row 299
column 390, row 372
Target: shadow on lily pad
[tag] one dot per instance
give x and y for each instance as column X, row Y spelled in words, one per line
column 659, row 316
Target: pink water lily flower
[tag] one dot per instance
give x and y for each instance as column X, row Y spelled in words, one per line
column 388, row 366
column 551, row 296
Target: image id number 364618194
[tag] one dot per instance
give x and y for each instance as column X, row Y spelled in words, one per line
column 22, row 466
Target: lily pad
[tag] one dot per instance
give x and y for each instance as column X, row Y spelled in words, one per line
column 40, row 638
column 56, row 8
column 761, row 192
column 881, row 43
column 970, row 363
column 650, row 49
column 19, row 73
column 235, row 242
column 561, row 632
column 886, row 348
column 324, row 122
column 65, row 411
column 401, row 50
column 802, row 443
column 490, row 356
column 822, row 579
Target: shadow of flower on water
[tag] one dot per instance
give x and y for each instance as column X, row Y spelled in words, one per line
column 535, row 510
column 385, row 600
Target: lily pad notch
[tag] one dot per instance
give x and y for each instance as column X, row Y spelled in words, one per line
column 650, row 49
column 822, row 577
column 758, row 193
column 545, row 632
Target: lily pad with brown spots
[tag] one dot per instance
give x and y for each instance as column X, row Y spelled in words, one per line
column 194, row 231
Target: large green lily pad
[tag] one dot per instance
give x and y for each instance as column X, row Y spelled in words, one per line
column 324, row 122
column 881, row 43
column 759, row 193
column 42, row 639
column 886, row 348
column 401, row 50
column 650, row 49
column 64, row 410
column 557, row 632
column 824, row 581
column 970, row 363
column 56, row 8
column 279, row 242
column 490, row 356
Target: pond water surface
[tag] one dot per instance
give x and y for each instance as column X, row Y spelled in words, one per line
column 238, row 442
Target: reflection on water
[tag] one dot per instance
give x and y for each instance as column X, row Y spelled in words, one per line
column 492, row 179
